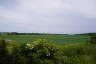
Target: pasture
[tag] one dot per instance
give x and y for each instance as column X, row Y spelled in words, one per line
column 57, row 39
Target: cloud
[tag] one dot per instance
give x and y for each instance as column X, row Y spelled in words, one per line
column 53, row 16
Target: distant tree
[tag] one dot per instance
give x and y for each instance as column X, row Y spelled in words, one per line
column 93, row 39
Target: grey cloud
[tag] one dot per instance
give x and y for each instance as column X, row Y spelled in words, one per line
column 49, row 16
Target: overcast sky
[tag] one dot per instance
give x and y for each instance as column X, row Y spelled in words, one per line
column 48, row 16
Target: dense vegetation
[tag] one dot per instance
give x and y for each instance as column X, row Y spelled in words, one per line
column 46, row 52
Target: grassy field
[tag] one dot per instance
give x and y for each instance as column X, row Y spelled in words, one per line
column 58, row 39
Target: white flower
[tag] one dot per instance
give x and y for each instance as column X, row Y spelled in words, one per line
column 28, row 44
column 48, row 54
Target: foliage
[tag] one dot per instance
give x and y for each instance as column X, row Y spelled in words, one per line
column 46, row 52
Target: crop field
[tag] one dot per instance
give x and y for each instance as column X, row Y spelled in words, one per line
column 57, row 39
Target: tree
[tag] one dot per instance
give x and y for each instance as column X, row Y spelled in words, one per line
column 4, row 54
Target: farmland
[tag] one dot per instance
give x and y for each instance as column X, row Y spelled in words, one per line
column 56, row 38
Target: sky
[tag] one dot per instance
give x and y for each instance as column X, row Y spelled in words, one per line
column 48, row 16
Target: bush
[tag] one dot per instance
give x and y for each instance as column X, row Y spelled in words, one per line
column 45, row 52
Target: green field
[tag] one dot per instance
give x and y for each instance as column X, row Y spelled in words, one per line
column 58, row 39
